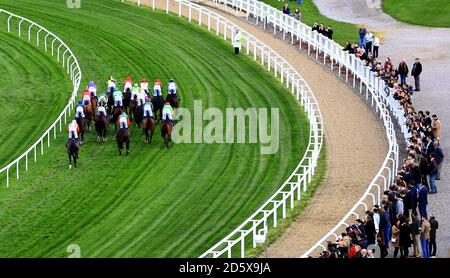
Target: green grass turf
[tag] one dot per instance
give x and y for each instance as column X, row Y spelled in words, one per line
column 29, row 101
column 434, row 13
column 342, row 31
column 156, row 202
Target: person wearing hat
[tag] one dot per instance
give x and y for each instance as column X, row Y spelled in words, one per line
column 144, row 86
column 148, row 108
column 111, row 84
column 79, row 110
column 117, row 96
column 171, row 87
column 73, row 129
column 167, row 113
column 92, row 89
column 86, row 97
column 123, row 120
column 128, row 84
column 135, row 91
column 157, row 88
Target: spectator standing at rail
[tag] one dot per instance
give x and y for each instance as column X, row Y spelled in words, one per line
column 369, row 40
column 415, row 231
column 405, row 237
column 376, row 46
column 432, row 172
column 396, row 237
column 298, row 15
column 286, row 9
column 403, row 71
column 423, row 200
column 434, row 225
column 439, row 158
column 329, row 32
column 425, row 237
column 237, row 42
column 415, row 72
column 362, row 36
column 436, row 125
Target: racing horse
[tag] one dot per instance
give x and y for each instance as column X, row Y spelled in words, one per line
column 72, row 147
column 89, row 115
column 138, row 115
column 81, row 122
column 101, row 125
column 122, row 136
column 158, row 104
column 166, row 132
column 126, row 100
column 148, row 127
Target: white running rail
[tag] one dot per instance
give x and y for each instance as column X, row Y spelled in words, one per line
column 374, row 92
column 276, row 206
column 37, row 33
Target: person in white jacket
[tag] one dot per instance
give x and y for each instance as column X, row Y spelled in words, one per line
column 237, row 42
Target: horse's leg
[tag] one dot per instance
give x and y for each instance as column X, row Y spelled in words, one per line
column 128, row 146
column 70, row 161
column 151, row 135
column 75, row 160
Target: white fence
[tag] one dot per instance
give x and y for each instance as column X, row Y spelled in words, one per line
column 269, row 213
column 37, row 33
column 374, row 92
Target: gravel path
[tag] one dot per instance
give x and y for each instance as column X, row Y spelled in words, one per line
column 355, row 142
column 432, row 46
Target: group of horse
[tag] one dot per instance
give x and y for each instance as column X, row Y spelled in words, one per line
column 131, row 107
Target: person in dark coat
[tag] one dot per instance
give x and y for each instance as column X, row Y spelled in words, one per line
column 423, row 200
column 403, row 71
column 412, row 196
column 434, row 226
column 286, row 9
column 415, row 72
column 369, row 228
column 405, row 239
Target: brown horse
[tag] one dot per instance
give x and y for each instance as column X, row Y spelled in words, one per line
column 133, row 105
column 122, row 136
column 81, row 122
column 94, row 103
column 72, row 147
column 89, row 115
column 166, row 132
column 148, row 129
column 101, row 125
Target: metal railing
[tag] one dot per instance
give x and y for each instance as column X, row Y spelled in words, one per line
column 67, row 59
column 257, row 225
column 328, row 50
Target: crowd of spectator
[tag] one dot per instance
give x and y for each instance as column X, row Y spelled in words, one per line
column 401, row 222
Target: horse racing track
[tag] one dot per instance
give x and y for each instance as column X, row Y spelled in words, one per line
column 155, row 202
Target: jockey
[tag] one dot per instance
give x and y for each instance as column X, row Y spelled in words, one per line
column 111, row 84
column 79, row 110
column 123, row 121
column 141, row 97
column 144, row 86
column 148, row 107
column 172, row 88
column 135, row 91
column 73, row 129
column 157, row 88
column 167, row 113
column 128, row 84
column 117, row 95
column 101, row 111
column 86, row 97
column 92, row 89
column 102, row 100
